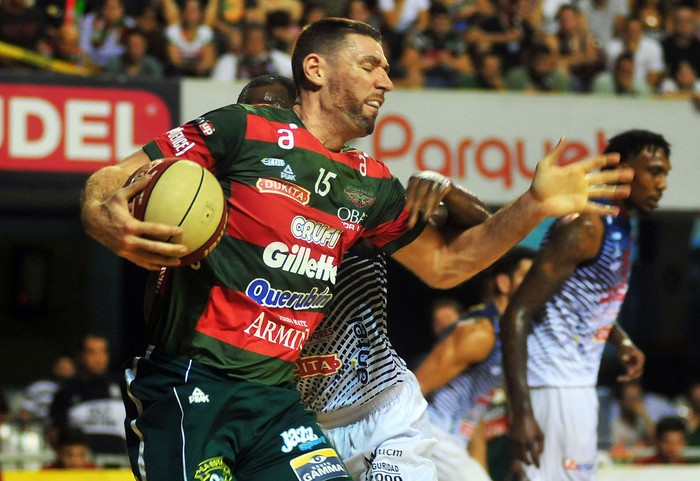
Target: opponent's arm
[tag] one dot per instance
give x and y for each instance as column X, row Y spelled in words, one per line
column 631, row 357
column 442, row 260
column 105, row 215
column 469, row 342
column 574, row 240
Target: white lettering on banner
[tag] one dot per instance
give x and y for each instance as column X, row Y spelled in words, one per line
column 271, row 331
column 85, row 128
column 315, row 232
column 20, row 111
column 261, row 292
column 297, row 260
column 180, row 143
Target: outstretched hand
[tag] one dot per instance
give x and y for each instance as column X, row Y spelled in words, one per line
column 563, row 190
column 111, row 224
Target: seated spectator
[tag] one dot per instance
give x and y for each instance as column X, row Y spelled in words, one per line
column 682, row 43
column 649, row 64
column 91, row 401
column 191, row 47
column 577, row 54
column 489, row 75
column 360, row 11
column 151, row 22
column 633, row 426
column 225, row 16
column 438, row 55
column 670, row 442
column 256, row 59
column 507, row 33
column 102, row 32
column 621, row 81
column 653, row 14
column 135, row 62
column 258, row 15
column 72, row 451
column 24, row 25
column 400, row 20
column 539, row 74
column 281, row 31
column 604, row 17
column 39, row 395
column 693, row 416
column 66, row 46
column 314, row 10
column 682, row 82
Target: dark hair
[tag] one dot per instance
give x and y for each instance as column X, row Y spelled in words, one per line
column 325, row 38
column 71, row 436
column 437, row 10
column 670, row 424
column 630, row 143
column 266, row 80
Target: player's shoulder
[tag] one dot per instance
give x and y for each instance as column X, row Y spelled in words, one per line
column 368, row 164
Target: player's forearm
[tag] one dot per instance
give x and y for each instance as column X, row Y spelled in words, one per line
column 464, row 209
column 619, row 337
column 478, row 247
column 514, row 331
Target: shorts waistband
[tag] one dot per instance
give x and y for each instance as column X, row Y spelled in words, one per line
column 352, row 414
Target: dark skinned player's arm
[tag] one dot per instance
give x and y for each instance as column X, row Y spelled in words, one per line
column 631, row 357
column 464, row 209
column 575, row 240
column 471, row 341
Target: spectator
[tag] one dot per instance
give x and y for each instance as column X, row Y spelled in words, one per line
column 151, row 22
column 282, row 32
column 507, row 33
column 191, row 48
column 358, row 10
column 489, row 74
column 102, row 32
column 444, row 312
column 91, row 402
column 693, row 416
column 539, row 74
column 227, row 16
column 294, row 7
column 577, row 54
column 682, row 82
column 653, row 14
column 401, row 19
column 682, row 43
column 22, row 25
column 135, row 61
column 314, row 10
column 39, row 395
column 605, row 18
column 633, row 426
column 648, row 55
column 257, row 59
column 72, row 451
column 66, row 46
column 670, row 442
column 438, row 55
column 621, row 81
column 469, row 12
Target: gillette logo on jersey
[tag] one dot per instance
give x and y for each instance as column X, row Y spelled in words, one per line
column 297, row 260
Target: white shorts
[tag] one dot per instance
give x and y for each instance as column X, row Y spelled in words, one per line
column 391, row 443
column 452, row 459
column 568, row 418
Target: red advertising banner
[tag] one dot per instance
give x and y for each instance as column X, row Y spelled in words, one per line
column 75, row 128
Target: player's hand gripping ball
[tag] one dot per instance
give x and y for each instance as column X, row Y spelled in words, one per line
column 182, row 193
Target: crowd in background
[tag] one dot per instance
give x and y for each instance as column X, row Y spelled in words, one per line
column 621, row 47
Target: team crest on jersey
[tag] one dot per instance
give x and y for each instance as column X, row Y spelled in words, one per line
column 310, row 366
column 359, row 197
column 213, row 469
column 318, row 465
column 281, row 187
column 205, row 126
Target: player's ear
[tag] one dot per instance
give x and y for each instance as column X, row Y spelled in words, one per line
column 503, row 283
column 315, row 69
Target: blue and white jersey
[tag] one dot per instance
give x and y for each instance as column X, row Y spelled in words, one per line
column 570, row 331
column 349, row 360
column 458, row 406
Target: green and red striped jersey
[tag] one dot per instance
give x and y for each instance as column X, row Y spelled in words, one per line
column 294, row 208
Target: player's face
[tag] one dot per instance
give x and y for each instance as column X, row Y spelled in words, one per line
column 651, row 167
column 358, row 80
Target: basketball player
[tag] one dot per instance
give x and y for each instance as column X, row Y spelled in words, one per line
column 214, row 396
column 461, row 373
column 368, row 402
column 570, row 300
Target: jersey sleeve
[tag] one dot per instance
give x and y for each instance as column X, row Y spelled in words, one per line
column 390, row 231
column 212, row 140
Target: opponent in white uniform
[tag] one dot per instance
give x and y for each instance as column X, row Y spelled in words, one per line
column 462, row 372
column 570, row 300
column 368, row 402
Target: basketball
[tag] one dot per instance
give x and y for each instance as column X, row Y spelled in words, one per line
column 182, row 193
